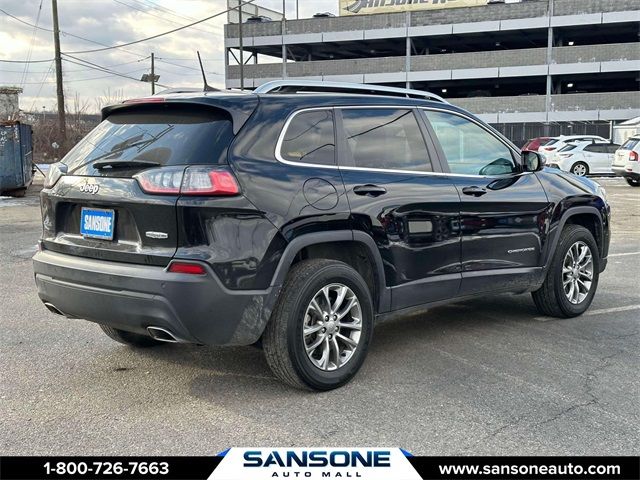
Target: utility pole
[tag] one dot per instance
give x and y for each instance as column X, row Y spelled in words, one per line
column 284, row 47
column 62, row 123
column 549, row 89
column 153, row 74
column 241, row 45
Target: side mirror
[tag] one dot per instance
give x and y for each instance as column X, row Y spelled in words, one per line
column 532, row 161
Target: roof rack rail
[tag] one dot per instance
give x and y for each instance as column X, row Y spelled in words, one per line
column 309, row 86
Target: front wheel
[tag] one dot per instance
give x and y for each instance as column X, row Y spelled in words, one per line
column 320, row 330
column 572, row 276
column 634, row 182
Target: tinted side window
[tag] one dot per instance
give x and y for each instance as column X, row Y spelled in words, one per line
column 385, row 138
column 612, row 148
column 595, row 148
column 310, row 138
column 469, row 148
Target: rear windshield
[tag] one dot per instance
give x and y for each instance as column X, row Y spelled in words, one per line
column 630, row 144
column 176, row 137
column 549, row 142
column 567, row 148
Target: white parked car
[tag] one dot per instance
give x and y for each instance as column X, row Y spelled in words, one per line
column 584, row 158
column 626, row 161
column 550, row 149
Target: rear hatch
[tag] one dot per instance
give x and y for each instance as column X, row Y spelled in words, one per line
column 94, row 204
column 622, row 154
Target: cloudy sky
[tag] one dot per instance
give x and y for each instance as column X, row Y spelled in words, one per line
column 112, row 22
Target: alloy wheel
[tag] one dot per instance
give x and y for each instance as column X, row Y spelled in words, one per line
column 577, row 272
column 579, row 170
column 332, row 327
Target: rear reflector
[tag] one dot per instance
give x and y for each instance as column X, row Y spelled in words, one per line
column 197, row 180
column 188, row 268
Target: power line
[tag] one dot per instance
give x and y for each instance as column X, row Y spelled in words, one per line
column 164, row 9
column 100, row 68
column 30, row 61
column 164, row 33
column 184, row 66
column 25, row 71
column 64, row 33
column 156, row 16
column 78, row 69
column 89, row 79
column 44, row 78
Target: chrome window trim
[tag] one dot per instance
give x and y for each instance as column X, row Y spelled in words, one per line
column 280, row 141
column 278, row 152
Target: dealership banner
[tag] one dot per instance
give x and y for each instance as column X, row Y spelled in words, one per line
column 319, row 463
column 364, row 7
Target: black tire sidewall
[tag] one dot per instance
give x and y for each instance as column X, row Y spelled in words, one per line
column 306, row 370
column 580, row 234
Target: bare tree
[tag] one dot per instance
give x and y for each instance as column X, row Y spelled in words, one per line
column 46, row 138
column 109, row 98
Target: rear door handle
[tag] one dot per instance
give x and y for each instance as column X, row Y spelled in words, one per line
column 369, row 190
column 475, row 191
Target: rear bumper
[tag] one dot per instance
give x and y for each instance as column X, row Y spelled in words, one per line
column 623, row 172
column 194, row 308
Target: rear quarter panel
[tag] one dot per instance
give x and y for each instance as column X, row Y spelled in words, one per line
column 296, row 200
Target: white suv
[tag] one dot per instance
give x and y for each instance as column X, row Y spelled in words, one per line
column 585, row 158
column 626, row 161
column 553, row 146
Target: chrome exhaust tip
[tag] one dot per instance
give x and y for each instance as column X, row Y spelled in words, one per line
column 53, row 309
column 162, row 335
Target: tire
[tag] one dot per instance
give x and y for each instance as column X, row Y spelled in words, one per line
column 552, row 299
column 580, row 169
column 284, row 343
column 633, row 182
column 129, row 338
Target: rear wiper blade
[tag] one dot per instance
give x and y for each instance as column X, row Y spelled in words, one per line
column 100, row 164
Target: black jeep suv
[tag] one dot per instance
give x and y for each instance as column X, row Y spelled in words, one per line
column 296, row 220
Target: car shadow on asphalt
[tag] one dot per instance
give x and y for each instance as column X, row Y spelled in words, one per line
column 237, row 370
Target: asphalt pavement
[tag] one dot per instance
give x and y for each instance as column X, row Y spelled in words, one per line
column 483, row 377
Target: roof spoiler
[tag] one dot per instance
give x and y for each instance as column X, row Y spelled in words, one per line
column 240, row 111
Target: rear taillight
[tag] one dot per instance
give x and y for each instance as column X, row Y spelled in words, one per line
column 204, row 181
column 549, row 149
column 633, row 156
column 187, row 268
column 161, row 181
